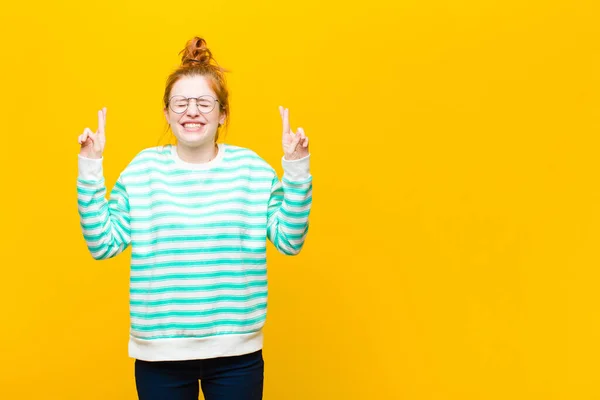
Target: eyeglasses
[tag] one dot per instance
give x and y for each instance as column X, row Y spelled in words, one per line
column 205, row 104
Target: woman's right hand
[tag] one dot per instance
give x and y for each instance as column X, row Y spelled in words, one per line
column 92, row 144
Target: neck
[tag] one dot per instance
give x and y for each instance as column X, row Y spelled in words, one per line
column 197, row 155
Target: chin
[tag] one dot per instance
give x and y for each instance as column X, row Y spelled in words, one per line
column 194, row 139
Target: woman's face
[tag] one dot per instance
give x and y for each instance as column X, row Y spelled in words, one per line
column 190, row 126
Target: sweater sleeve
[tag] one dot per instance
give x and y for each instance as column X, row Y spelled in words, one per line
column 105, row 224
column 289, row 206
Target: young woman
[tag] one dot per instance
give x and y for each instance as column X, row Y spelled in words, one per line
column 197, row 216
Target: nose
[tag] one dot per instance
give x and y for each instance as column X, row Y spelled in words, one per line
column 192, row 109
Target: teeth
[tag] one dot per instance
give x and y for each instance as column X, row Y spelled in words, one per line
column 192, row 125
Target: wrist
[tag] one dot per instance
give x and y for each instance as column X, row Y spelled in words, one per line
column 294, row 156
column 90, row 154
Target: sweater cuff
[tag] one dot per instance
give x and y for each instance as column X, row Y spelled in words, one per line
column 296, row 170
column 90, row 169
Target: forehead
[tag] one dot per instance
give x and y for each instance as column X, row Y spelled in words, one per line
column 192, row 86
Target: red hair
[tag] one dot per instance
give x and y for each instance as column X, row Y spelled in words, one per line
column 197, row 60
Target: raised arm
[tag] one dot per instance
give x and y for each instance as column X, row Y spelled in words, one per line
column 105, row 223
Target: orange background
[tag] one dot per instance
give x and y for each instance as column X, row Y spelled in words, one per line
column 453, row 251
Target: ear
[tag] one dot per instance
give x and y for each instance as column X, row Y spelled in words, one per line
column 166, row 112
column 222, row 119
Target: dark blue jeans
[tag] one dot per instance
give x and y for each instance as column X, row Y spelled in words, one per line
column 223, row 378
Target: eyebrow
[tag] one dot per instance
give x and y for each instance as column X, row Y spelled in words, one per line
column 192, row 97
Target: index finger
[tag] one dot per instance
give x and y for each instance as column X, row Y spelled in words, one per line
column 285, row 117
column 101, row 120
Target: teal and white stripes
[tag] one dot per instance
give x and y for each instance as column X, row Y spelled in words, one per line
column 106, row 227
column 289, row 207
column 198, row 235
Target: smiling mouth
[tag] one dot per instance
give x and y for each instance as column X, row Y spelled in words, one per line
column 193, row 127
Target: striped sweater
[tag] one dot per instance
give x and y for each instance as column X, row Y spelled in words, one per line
column 198, row 233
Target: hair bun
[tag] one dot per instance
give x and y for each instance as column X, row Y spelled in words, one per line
column 196, row 52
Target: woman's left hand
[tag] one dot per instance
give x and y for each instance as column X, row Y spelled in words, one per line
column 295, row 145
